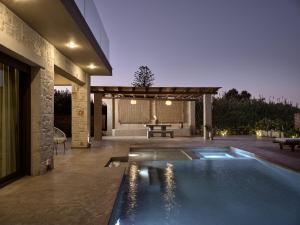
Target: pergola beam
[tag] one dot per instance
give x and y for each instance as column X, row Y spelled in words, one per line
column 158, row 99
column 156, row 90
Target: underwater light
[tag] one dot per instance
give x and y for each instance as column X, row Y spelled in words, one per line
column 144, row 172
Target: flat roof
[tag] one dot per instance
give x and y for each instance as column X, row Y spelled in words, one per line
column 172, row 93
column 61, row 22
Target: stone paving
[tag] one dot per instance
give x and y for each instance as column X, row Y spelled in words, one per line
column 80, row 190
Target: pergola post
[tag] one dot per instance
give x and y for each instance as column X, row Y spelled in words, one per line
column 97, row 117
column 207, row 115
column 192, row 116
column 113, row 113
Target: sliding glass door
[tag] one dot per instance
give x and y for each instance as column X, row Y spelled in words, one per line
column 14, row 119
column 9, row 121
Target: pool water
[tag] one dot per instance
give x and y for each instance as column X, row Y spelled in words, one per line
column 208, row 192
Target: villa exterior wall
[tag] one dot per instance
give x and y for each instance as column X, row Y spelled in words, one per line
column 68, row 69
column 71, row 74
column 23, row 41
column 20, row 41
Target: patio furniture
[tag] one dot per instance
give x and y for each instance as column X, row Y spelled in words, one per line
column 291, row 142
column 59, row 138
column 162, row 130
column 163, row 133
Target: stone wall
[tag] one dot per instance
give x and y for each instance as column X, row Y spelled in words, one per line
column 15, row 33
column 81, row 114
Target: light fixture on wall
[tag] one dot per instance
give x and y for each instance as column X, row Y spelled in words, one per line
column 133, row 102
column 72, row 45
column 168, row 102
column 92, row 66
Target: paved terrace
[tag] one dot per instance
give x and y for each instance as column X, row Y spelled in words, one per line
column 82, row 191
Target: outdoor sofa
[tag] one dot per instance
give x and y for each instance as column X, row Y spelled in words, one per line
column 291, row 142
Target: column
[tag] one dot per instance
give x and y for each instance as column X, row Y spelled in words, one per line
column 109, row 115
column 81, row 114
column 192, row 116
column 42, row 118
column 113, row 113
column 97, row 117
column 207, row 115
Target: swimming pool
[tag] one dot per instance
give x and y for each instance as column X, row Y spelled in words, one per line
column 209, row 190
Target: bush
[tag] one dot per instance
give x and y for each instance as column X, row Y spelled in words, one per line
column 242, row 115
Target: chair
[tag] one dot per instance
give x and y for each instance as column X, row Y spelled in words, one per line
column 59, row 138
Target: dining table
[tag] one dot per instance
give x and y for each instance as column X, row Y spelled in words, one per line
column 162, row 127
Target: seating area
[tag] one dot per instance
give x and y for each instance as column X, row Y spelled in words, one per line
column 59, row 138
column 150, row 133
column 291, row 142
column 159, row 129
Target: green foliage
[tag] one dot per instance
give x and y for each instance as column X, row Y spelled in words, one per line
column 143, row 77
column 63, row 111
column 62, row 102
column 241, row 114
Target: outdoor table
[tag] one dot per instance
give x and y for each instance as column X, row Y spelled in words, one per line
column 163, row 128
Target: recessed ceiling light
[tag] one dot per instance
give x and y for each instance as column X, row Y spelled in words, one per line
column 72, row 45
column 92, row 66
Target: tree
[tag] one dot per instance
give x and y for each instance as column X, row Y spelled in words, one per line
column 232, row 94
column 62, row 102
column 245, row 95
column 143, row 77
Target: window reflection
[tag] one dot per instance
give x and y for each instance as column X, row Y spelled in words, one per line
column 170, row 186
column 132, row 191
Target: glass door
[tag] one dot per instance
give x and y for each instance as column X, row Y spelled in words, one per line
column 9, row 121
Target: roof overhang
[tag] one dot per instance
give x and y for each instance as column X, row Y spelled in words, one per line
column 59, row 22
column 158, row 93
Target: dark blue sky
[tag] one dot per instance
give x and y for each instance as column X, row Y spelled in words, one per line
column 245, row 44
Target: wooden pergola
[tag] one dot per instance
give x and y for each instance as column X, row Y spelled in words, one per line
column 153, row 93
column 172, row 93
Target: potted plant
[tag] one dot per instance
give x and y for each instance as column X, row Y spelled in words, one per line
column 209, row 129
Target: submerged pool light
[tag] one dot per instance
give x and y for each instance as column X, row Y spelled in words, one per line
column 216, row 155
column 144, row 172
